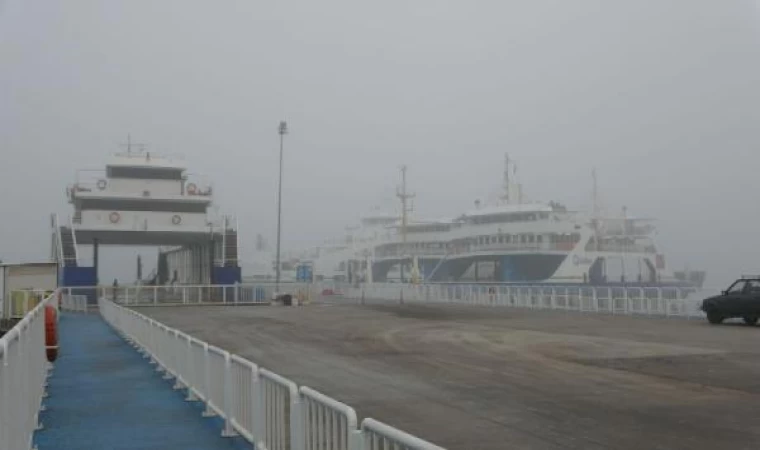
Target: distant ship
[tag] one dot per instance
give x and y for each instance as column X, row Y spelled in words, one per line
column 513, row 241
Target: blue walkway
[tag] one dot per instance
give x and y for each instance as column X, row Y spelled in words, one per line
column 104, row 395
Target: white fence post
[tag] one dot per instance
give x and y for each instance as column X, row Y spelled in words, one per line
column 191, row 397
column 554, row 298
column 209, row 412
column 595, row 299
column 229, row 401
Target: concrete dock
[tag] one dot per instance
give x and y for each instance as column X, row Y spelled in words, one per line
column 494, row 378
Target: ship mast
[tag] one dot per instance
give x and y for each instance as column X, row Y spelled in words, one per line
column 595, row 208
column 505, row 197
column 404, row 196
column 595, row 194
column 130, row 144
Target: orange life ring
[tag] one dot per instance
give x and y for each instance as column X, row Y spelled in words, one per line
column 51, row 334
column 192, row 188
column 114, row 217
column 176, row 219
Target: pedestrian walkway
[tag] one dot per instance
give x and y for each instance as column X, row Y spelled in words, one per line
column 104, row 395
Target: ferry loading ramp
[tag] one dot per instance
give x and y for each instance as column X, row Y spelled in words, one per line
column 469, row 377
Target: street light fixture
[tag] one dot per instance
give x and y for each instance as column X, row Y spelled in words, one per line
column 283, row 130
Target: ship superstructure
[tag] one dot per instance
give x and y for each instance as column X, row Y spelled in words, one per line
column 145, row 199
column 511, row 241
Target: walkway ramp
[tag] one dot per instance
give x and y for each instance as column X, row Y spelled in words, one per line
column 104, row 395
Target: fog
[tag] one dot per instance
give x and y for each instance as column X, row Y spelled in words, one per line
column 659, row 96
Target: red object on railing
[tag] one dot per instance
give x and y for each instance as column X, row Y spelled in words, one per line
column 51, row 333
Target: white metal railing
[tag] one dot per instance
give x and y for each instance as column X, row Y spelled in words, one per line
column 58, row 239
column 23, row 370
column 73, row 303
column 379, row 436
column 328, row 420
column 74, row 240
column 650, row 301
column 265, row 408
column 244, row 381
column 279, row 401
column 249, row 293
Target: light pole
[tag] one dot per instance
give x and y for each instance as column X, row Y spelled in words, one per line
column 283, row 130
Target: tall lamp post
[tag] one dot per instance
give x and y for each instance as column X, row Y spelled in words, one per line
column 283, row 130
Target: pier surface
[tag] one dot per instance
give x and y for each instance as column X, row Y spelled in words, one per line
column 494, row 378
column 104, row 395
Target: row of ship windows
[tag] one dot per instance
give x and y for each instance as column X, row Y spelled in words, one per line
column 503, row 239
column 511, row 217
column 528, row 238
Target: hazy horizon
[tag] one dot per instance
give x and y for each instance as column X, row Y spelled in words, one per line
column 659, row 97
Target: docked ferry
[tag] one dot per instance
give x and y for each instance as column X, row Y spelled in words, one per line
column 512, row 241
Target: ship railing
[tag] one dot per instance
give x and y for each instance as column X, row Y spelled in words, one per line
column 400, row 253
column 23, row 371
column 97, row 180
column 265, row 408
column 197, row 185
column 73, row 303
column 87, row 181
column 625, row 300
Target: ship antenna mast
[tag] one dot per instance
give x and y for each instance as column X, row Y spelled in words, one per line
column 404, row 196
column 595, row 194
column 505, row 197
column 595, row 208
column 131, row 144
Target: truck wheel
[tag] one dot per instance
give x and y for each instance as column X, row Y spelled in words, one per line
column 714, row 317
column 750, row 320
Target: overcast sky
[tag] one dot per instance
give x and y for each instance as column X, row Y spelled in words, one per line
column 661, row 96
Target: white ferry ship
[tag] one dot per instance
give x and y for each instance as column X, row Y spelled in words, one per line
column 514, row 241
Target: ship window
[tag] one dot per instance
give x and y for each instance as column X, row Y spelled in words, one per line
column 531, row 238
column 142, row 205
column 501, row 239
column 522, row 238
column 144, row 173
column 539, row 238
column 507, row 238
